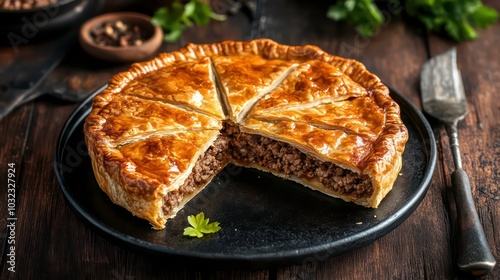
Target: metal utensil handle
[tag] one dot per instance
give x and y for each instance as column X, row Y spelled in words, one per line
column 474, row 253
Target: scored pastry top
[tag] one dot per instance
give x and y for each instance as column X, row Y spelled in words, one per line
column 327, row 106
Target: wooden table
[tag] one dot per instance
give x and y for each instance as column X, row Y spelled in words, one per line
column 52, row 243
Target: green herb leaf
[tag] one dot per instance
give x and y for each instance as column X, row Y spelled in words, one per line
column 202, row 15
column 456, row 18
column 338, row 11
column 484, row 17
column 176, row 17
column 172, row 36
column 189, row 9
column 200, row 226
column 363, row 14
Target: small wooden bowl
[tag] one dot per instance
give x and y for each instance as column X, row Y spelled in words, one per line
column 151, row 43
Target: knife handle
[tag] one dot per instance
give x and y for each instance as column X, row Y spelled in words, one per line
column 474, row 253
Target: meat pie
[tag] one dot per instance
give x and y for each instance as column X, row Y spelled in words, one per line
column 161, row 131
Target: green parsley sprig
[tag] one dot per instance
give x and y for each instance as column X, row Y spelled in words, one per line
column 200, row 226
column 176, row 17
column 457, row 19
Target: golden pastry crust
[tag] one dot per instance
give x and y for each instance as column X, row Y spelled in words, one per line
column 360, row 116
column 128, row 118
column 170, row 78
column 326, row 106
column 244, row 79
column 313, row 83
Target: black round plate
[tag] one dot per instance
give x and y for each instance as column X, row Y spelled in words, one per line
column 266, row 221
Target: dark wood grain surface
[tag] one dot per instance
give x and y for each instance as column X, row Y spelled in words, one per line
column 51, row 242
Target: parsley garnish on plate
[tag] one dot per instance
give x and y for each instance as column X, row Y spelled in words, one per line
column 200, row 226
column 178, row 16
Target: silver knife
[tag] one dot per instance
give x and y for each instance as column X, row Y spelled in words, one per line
column 29, row 68
column 443, row 98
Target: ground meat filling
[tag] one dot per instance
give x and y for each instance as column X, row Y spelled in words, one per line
column 282, row 158
column 214, row 159
column 244, row 148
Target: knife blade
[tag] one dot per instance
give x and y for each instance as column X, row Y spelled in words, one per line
column 30, row 67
